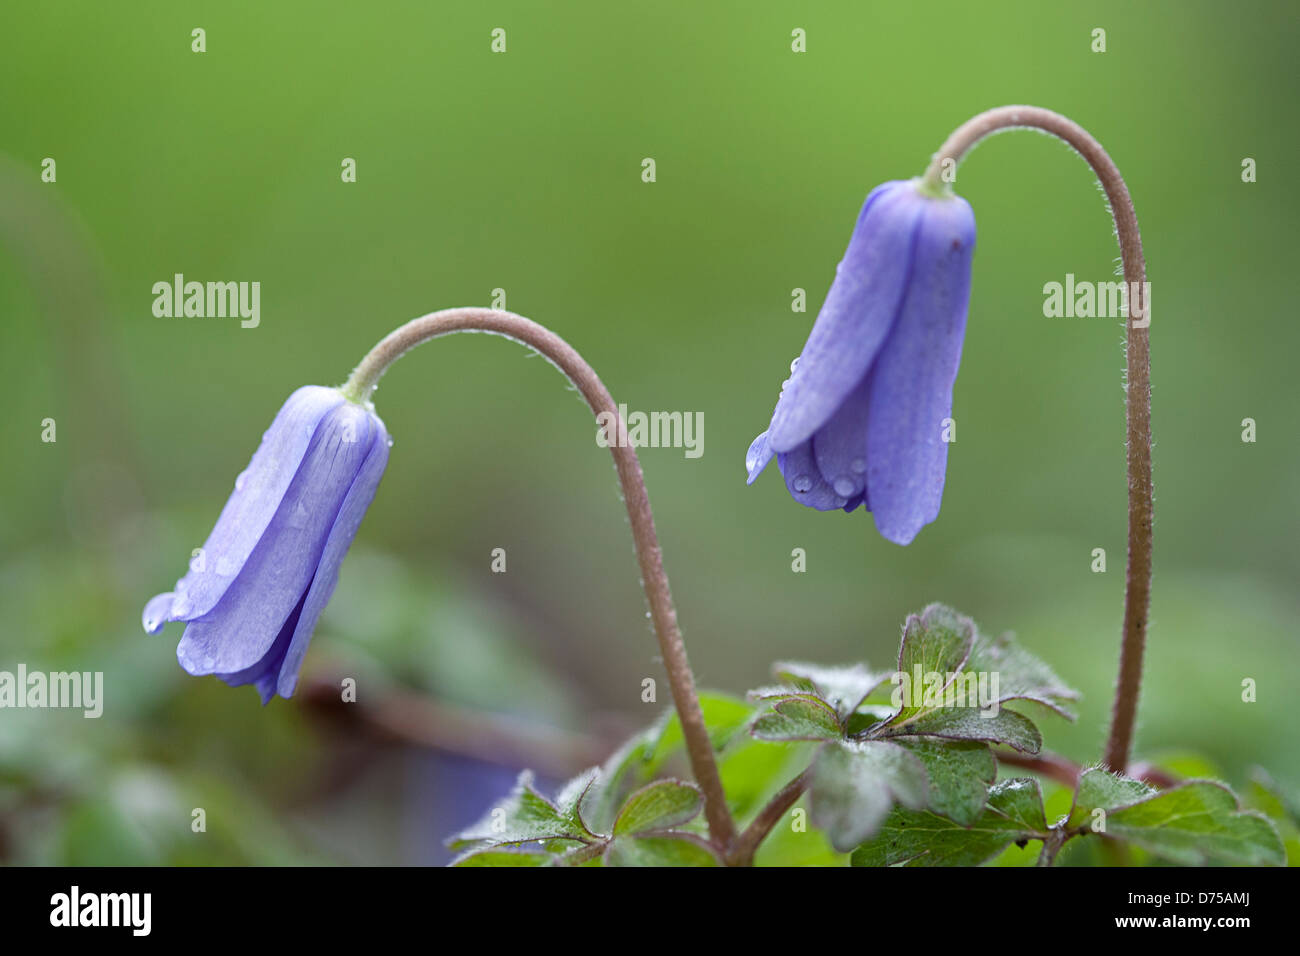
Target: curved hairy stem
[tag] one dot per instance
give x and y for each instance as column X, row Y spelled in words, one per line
column 655, row 581
column 1137, row 593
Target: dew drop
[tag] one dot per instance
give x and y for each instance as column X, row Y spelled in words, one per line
column 241, row 480
column 803, row 483
column 209, row 662
column 794, row 365
column 844, row 487
column 859, row 466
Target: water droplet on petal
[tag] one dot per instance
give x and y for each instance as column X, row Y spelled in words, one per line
column 803, row 483
column 209, row 662
column 390, row 443
column 241, row 480
column 859, row 466
column 844, row 487
column 795, row 364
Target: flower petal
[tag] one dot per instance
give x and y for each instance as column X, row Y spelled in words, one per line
column 805, row 482
column 756, row 459
column 860, row 309
column 840, row 446
column 265, row 672
column 157, row 612
column 257, row 495
column 243, row 626
column 340, row 538
column 912, row 380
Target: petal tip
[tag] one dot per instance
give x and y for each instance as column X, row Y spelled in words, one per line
column 157, row 612
column 756, row 458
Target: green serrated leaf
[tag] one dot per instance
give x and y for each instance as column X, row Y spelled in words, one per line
column 959, row 772
column 1196, row 823
column 921, row 838
column 967, row 723
column 1020, row 801
column 628, row 765
column 659, row 806
column 798, row 718
column 843, row 688
column 854, row 784
column 1099, row 789
column 664, row 849
column 525, row 816
column 937, row 641
column 1020, row 674
column 572, row 795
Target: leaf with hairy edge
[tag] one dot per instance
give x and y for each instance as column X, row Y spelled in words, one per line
column 960, row 773
column 798, row 718
column 1099, row 789
column 854, row 784
column 1021, row 675
column 936, row 642
column 1195, row 823
column 965, row 723
column 659, row 806
column 920, row 838
column 525, row 816
column 629, row 764
column 660, row 849
column 843, row 688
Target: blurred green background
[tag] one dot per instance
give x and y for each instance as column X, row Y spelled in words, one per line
column 522, row 171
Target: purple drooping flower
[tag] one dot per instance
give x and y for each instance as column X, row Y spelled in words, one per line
column 861, row 419
column 254, row 591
